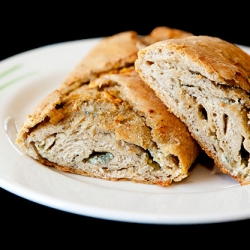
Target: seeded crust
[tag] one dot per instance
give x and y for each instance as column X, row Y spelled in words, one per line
column 109, row 125
column 205, row 82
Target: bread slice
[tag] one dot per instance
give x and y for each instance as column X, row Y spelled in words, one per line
column 103, row 121
column 205, row 81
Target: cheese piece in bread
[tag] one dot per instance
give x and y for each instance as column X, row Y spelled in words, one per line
column 205, row 81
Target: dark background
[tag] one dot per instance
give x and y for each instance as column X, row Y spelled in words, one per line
column 27, row 27
column 33, row 27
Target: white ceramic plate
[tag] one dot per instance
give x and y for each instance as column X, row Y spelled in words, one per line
column 206, row 196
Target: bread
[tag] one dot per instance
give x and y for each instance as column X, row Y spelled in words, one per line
column 114, row 52
column 104, row 122
column 163, row 33
column 205, row 81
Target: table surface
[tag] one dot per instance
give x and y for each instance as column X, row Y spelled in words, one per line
column 32, row 30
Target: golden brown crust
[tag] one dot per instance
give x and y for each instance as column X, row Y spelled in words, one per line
column 44, row 109
column 84, row 173
column 115, row 52
column 164, row 33
column 221, row 59
column 110, row 53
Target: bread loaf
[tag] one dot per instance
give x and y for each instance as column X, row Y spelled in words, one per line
column 205, row 81
column 103, row 121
